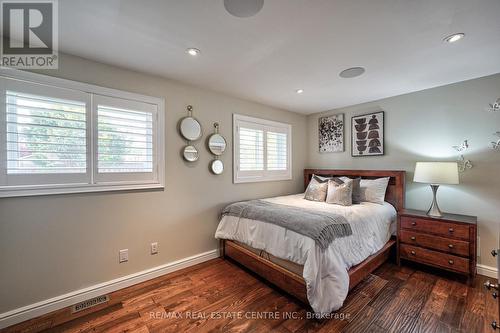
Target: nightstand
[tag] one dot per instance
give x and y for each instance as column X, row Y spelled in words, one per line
column 447, row 242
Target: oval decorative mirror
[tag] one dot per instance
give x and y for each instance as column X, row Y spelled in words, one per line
column 190, row 153
column 217, row 167
column 216, row 142
column 189, row 127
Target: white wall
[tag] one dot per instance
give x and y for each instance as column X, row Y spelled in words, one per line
column 51, row 245
column 423, row 126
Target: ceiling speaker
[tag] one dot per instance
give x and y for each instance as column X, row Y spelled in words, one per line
column 243, row 8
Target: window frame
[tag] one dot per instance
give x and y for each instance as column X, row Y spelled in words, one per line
column 46, row 83
column 264, row 175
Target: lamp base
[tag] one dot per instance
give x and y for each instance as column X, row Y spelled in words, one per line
column 434, row 209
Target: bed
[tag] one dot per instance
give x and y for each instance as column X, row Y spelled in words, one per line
column 295, row 263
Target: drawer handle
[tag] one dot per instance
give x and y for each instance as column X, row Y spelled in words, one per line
column 413, row 238
column 450, row 262
column 450, row 246
column 414, row 223
column 450, row 230
column 488, row 285
column 413, row 253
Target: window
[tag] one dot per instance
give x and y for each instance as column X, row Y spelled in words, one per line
column 60, row 136
column 262, row 150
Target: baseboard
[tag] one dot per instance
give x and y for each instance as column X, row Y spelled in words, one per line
column 40, row 308
column 488, row 271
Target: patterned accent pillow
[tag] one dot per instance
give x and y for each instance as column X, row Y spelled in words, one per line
column 322, row 178
column 356, row 189
column 340, row 194
column 373, row 190
column 316, row 190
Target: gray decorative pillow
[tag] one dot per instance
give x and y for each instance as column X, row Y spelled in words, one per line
column 356, row 190
column 340, row 194
column 373, row 190
column 316, row 190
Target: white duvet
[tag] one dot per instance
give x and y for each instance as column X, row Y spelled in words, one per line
column 325, row 271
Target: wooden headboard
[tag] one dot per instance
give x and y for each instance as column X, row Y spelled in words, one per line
column 395, row 193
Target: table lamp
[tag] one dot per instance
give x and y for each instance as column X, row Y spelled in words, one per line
column 435, row 174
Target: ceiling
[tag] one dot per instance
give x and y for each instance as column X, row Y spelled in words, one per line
column 291, row 44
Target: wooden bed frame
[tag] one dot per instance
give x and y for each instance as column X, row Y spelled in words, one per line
column 293, row 283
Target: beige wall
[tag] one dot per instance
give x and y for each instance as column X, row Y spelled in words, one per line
column 423, row 126
column 51, row 245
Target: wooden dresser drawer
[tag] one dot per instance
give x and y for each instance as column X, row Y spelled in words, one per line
column 434, row 258
column 449, row 245
column 446, row 229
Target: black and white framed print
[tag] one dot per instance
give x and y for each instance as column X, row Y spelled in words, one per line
column 367, row 134
column 331, row 133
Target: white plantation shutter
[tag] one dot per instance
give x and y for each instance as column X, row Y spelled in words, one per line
column 60, row 136
column 277, row 156
column 125, row 140
column 126, row 133
column 251, row 142
column 261, row 150
column 45, row 135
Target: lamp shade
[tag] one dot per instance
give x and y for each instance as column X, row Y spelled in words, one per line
column 436, row 173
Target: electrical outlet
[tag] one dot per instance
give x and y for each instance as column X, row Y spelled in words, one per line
column 154, row 248
column 123, row 256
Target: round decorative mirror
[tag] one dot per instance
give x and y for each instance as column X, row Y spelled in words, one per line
column 217, row 144
column 217, row 167
column 190, row 153
column 189, row 127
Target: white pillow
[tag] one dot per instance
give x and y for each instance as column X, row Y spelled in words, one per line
column 373, row 190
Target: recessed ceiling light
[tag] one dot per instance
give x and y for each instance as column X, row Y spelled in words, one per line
column 352, row 72
column 192, row 51
column 454, row 38
column 299, row 91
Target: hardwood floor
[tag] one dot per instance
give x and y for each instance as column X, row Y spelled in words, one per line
column 220, row 296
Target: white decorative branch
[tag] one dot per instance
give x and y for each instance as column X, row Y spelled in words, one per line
column 496, row 145
column 463, row 164
column 494, row 107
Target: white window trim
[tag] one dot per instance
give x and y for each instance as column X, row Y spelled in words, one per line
column 266, row 178
column 29, row 190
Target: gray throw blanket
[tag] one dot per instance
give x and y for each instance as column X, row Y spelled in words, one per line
column 322, row 227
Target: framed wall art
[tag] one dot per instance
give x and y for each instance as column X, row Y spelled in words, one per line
column 367, row 134
column 331, row 133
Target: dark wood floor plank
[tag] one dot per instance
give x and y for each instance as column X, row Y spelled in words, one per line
column 471, row 322
column 437, row 299
column 407, row 299
column 453, row 311
column 427, row 323
column 362, row 321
